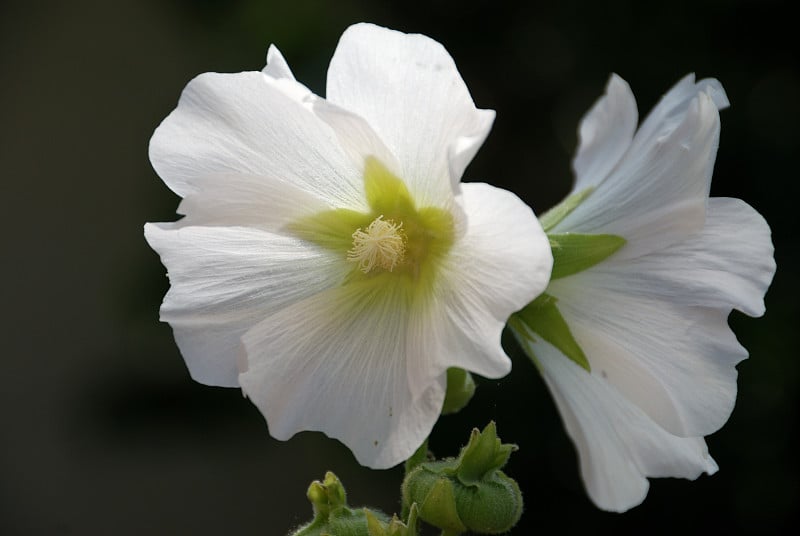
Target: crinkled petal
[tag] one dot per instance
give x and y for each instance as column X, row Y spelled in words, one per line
column 677, row 363
column 245, row 123
column 224, row 280
column 657, row 194
column 728, row 265
column 619, row 446
column 336, row 363
column 502, row 262
column 605, row 134
column 408, row 89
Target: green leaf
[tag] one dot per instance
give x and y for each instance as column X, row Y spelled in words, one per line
column 543, row 318
column 552, row 217
column 573, row 253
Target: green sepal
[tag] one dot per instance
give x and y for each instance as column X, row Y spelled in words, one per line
column 573, row 252
column 543, row 318
column 395, row 527
column 460, row 388
column 552, row 217
column 484, row 454
column 439, row 506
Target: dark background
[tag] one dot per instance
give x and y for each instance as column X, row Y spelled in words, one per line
column 103, row 432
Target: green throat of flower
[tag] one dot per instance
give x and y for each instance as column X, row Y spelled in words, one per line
column 395, row 241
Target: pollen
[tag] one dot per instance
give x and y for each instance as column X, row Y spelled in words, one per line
column 381, row 245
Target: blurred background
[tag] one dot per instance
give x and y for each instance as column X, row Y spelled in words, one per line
column 103, row 431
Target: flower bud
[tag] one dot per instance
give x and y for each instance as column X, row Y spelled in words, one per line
column 469, row 492
column 460, row 388
column 333, row 517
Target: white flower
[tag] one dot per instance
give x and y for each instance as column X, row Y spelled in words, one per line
column 329, row 260
column 634, row 343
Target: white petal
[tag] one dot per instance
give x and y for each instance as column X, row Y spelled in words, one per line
column 605, row 134
column 668, row 113
column 246, row 200
column 276, row 66
column 224, row 280
column 278, row 70
column 408, row 89
column 356, row 136
column 677, row 363
column 336, row 363
column 657, row 194
column 502, row 263
column 728, row 265
column 245, row 124
column 619, row 446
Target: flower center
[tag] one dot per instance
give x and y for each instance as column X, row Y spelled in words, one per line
column 381, row 245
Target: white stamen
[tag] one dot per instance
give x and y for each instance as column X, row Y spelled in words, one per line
column 382, row 244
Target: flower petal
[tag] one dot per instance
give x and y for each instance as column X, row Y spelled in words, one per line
column 728, row 265
column 668, row 113
column 356, row 136
column 245, row 123
column 677, row 363
column 336, row 363
column 408, row 89
column 223, row 281
column 657, row 194
column 276, row 66
column 619, row 446
column 502, row 262
column 246, row 200
column 605, row 133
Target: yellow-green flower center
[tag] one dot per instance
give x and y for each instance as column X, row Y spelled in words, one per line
column 394, row 240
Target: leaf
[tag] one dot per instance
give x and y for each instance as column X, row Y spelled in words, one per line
column 543, row 318
column 573, row 253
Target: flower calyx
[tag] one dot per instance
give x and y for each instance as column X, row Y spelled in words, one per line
column 470, row 492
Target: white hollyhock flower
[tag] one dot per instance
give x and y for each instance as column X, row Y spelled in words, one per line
column 631, row 336
column 329, row 260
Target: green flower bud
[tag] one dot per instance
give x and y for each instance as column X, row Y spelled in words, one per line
column 332, row 517
column 469, row 492
column 460, row 388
